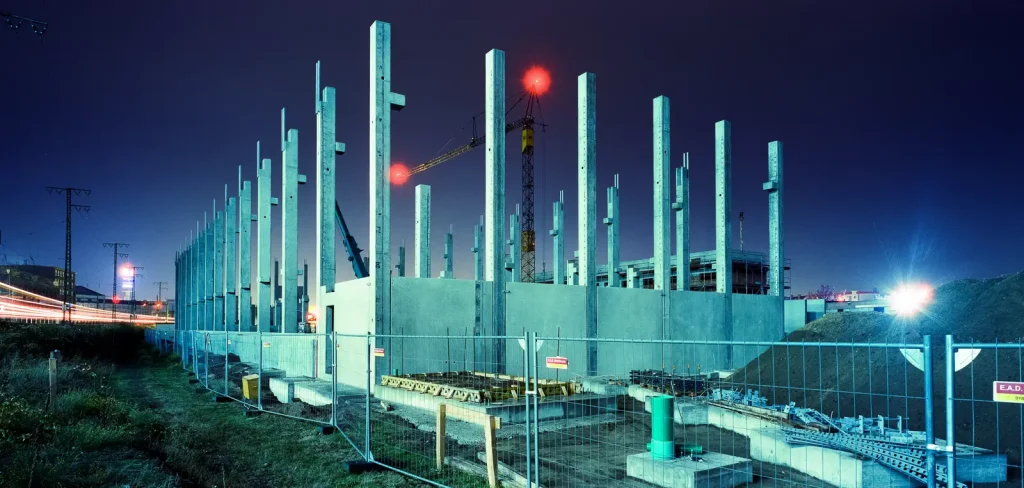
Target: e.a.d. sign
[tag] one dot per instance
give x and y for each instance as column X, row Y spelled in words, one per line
column 1008, row 391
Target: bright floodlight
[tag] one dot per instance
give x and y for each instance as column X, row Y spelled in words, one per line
column 911, row 299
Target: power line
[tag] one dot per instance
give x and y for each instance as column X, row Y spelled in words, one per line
column 115, row 245
column 67, row 294
column 16, row 21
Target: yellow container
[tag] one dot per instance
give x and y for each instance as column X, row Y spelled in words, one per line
column 250, row 386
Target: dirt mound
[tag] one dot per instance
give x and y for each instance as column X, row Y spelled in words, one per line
column 872, row 380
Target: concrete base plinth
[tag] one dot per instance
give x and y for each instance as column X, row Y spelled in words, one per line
column 316, row 392
column 284, row 388
column 510, row 411
column 713, row 469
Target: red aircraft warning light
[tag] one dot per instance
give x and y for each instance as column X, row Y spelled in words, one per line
column 537, row 80
column 399, row 174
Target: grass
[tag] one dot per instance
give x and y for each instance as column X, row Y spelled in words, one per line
column 126, row 417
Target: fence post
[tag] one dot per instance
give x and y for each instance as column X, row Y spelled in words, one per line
column 332, row 347
column 950, row 426
column 527, row 354
column 369, row 379
column 929, row 414
column 206, row 360
column 536, row 417
column 53, row 380
column 259, row 370
column 227, row 364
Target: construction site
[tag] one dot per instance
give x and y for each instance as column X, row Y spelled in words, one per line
column 587, row 374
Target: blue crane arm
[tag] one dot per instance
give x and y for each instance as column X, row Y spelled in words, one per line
column 354, row 256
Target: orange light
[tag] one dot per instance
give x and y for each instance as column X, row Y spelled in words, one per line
column 537, row 80
column 399, row 174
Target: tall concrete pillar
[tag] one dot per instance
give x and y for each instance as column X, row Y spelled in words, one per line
column 612, row 221
column 478, row 257
column 723, row 207
column 776, row 265
column 572, row 274
column 515, row 240
column 197, row 279
column 682, row 209
column 494, row 113
column 218, row 270
column 586, row 137
column 290, row 181
column 230, row 263
column 382, row 102
column 209, row 271
column 632, row 278
column 449, row 258
column 401, row 261
column 263, row 291
column 275, row 293
column 422, row 233
column 662, row 224
column 244, row 284
column 558, row 247
column 327, row 150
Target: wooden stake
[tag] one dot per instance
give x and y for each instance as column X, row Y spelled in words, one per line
column 492, row 452
column 440, row 436
column 53, row 380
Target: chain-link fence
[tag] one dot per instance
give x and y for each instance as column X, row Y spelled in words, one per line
column 450, row 411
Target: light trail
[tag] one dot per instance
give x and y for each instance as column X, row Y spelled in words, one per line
column 44, row 308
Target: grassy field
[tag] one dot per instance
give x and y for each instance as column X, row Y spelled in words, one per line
column 125, row 417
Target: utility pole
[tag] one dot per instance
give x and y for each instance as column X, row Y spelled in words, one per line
column 160, row 293
column 115, row 245
column 16, row 21
column 135, row 294
column 67, row 294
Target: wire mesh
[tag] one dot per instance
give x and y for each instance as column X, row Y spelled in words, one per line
column 295, row 381
column 483, row 413
column 988, row 412
column 790, row 416
column 242, row 367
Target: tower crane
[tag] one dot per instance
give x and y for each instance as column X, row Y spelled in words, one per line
column 528, row 252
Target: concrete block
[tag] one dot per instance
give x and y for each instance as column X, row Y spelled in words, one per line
column 316, row 393
column 284, row 388
column 714, row 469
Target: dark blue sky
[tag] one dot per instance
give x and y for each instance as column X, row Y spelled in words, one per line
column 901, row 121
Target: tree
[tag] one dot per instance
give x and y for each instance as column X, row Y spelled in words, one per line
column 825, row 291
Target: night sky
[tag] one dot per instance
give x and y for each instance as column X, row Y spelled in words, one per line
column 901, row 122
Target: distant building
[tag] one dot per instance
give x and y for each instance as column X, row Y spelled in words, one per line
column 47, row 281
column 858, row 296
column 88, row 296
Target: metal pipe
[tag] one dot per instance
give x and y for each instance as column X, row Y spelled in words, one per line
column 369, row 376
column 929, row 414
column 536, row 416
column 950, row 430
column 662, row 444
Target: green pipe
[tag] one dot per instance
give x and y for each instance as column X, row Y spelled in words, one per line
column 663, row 445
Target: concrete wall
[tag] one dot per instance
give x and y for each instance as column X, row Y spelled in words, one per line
column 796, row 314
column 548, row 310
column 697, row 316
column 629, row 313
column 755, row 318
column 353, row 304
column 433, row 307
column 815, row 309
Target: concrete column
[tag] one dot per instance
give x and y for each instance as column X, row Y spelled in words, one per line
column 422, row 234
column 290, row 181
column 244, row 284
column 382, row 102
column 275, row 293
column 776, row 265
column 478, row 258
column 682, row 209
column 558, row 247
column 449, row 259
column 263, row 291
column 632, row 278
column 662, row 224
column 723, row 207
column 327, row 150
column 209, row 267
column 494, row 114
column 197, row 274
column 586, row 137
column 230, row 263
column 612, row 221
column 515, row 240
column 304, row 303
column 401, row 261
column 572, row 276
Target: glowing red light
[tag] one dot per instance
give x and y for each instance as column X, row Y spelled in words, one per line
column 537, row 80
column 399, row 174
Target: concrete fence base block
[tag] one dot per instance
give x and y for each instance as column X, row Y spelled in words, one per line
column 713, row 469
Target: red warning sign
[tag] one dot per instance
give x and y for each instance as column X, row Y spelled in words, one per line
column 378, row 352
column 557, row 362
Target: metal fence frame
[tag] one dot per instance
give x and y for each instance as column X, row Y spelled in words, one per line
column 194, row 347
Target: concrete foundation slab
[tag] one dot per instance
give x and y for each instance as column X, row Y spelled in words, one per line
column 713, row 469
column 284, row 388
column 316, row 392
column 510, row 412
